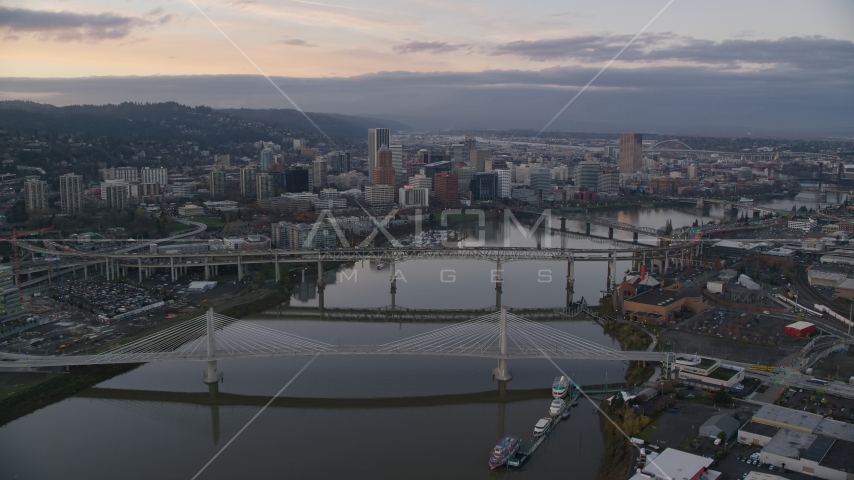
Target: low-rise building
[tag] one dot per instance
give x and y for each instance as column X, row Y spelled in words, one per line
column 659, row 306
column 720, row 423
column 707, row 373
column 674, row 464
column 190, row 210
column 820, row 278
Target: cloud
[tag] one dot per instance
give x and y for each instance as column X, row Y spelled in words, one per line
column 689, row 99
column 431, row 47
column 799, row 52
column 68, row 26
column 297, row 42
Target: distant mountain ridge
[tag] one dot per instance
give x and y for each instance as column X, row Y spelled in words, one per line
column 335, row 125
column 159, row 120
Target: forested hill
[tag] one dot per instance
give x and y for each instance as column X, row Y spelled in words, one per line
column 171, row 121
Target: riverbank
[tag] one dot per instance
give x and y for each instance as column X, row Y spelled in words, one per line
column 57, row 388
column 60, row 386
column 617, row 457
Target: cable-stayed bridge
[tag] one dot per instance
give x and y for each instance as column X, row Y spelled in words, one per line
column 211, row 337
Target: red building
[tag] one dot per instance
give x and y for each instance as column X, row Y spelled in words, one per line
column 799, row 329
column 446, row 188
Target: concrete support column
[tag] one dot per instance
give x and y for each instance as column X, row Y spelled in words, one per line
column 612, row 272
column 393, row 288
column 498, row 286
column 320, row 286
column 172, row 268
column 587, row 229
column 682, row 261
column 635, row 237
column 610, row 232
column 570, row 282
column 207, row 270
column 107, row 268
column 85, row 272
column 239, row 268
column 276, row 266
column 139, row 265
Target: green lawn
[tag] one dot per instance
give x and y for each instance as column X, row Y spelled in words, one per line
column 209, row 221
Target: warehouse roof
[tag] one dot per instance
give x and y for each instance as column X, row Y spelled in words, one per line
column 839, row 456
column 834, row 428
column 760, row 429
column 789, row 443
column 656, row 297
column 774, row 414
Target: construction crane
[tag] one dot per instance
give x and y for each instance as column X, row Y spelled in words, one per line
column 14, row 241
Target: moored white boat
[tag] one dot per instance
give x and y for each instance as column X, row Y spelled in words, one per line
column 560, row 387
column 557, row 407
column 542, row 426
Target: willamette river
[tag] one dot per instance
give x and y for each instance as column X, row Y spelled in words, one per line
column 361, row 417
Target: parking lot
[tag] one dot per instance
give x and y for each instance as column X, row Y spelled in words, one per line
column 814, row 401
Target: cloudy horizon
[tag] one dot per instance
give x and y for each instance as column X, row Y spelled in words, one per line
column 767, row 68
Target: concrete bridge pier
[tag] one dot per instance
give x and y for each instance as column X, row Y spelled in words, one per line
column 570, row 282
column 85, row 272
column 207, row 270
column 239, row 268
column 612, row 272
column 393, row 282
column 498, row 283
column 635, row 237
column 587, row 229
column 320, row 287
column 611, row 232
column 172, row 269
column 276, row 267
column 213, row 390
column 501, row 373
column 562, row 224
column 139, row 267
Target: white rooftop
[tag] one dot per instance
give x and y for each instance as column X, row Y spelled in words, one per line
column 673, row 464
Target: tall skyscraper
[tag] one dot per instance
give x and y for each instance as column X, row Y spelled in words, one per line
column 423, row 156
column 397, row 162
column 217, row 185
column 469, row 144
column 267, row 156
column 264, row 186
column 503, row 183
column 247, row 181
column 384, row 171
column 35, row 195
column 631, row 152
column 71, row 193
column 477, row 159
column 117, row 195
column 484, row 187
column 318, row 173
column 10, row 304
column 446, row 188
column 376, row 138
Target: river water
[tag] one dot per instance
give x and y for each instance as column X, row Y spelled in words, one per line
column 344, row 417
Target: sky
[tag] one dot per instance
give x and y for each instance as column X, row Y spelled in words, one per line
column 725, row 67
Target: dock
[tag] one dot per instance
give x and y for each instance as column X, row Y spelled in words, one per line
column 521, row 457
